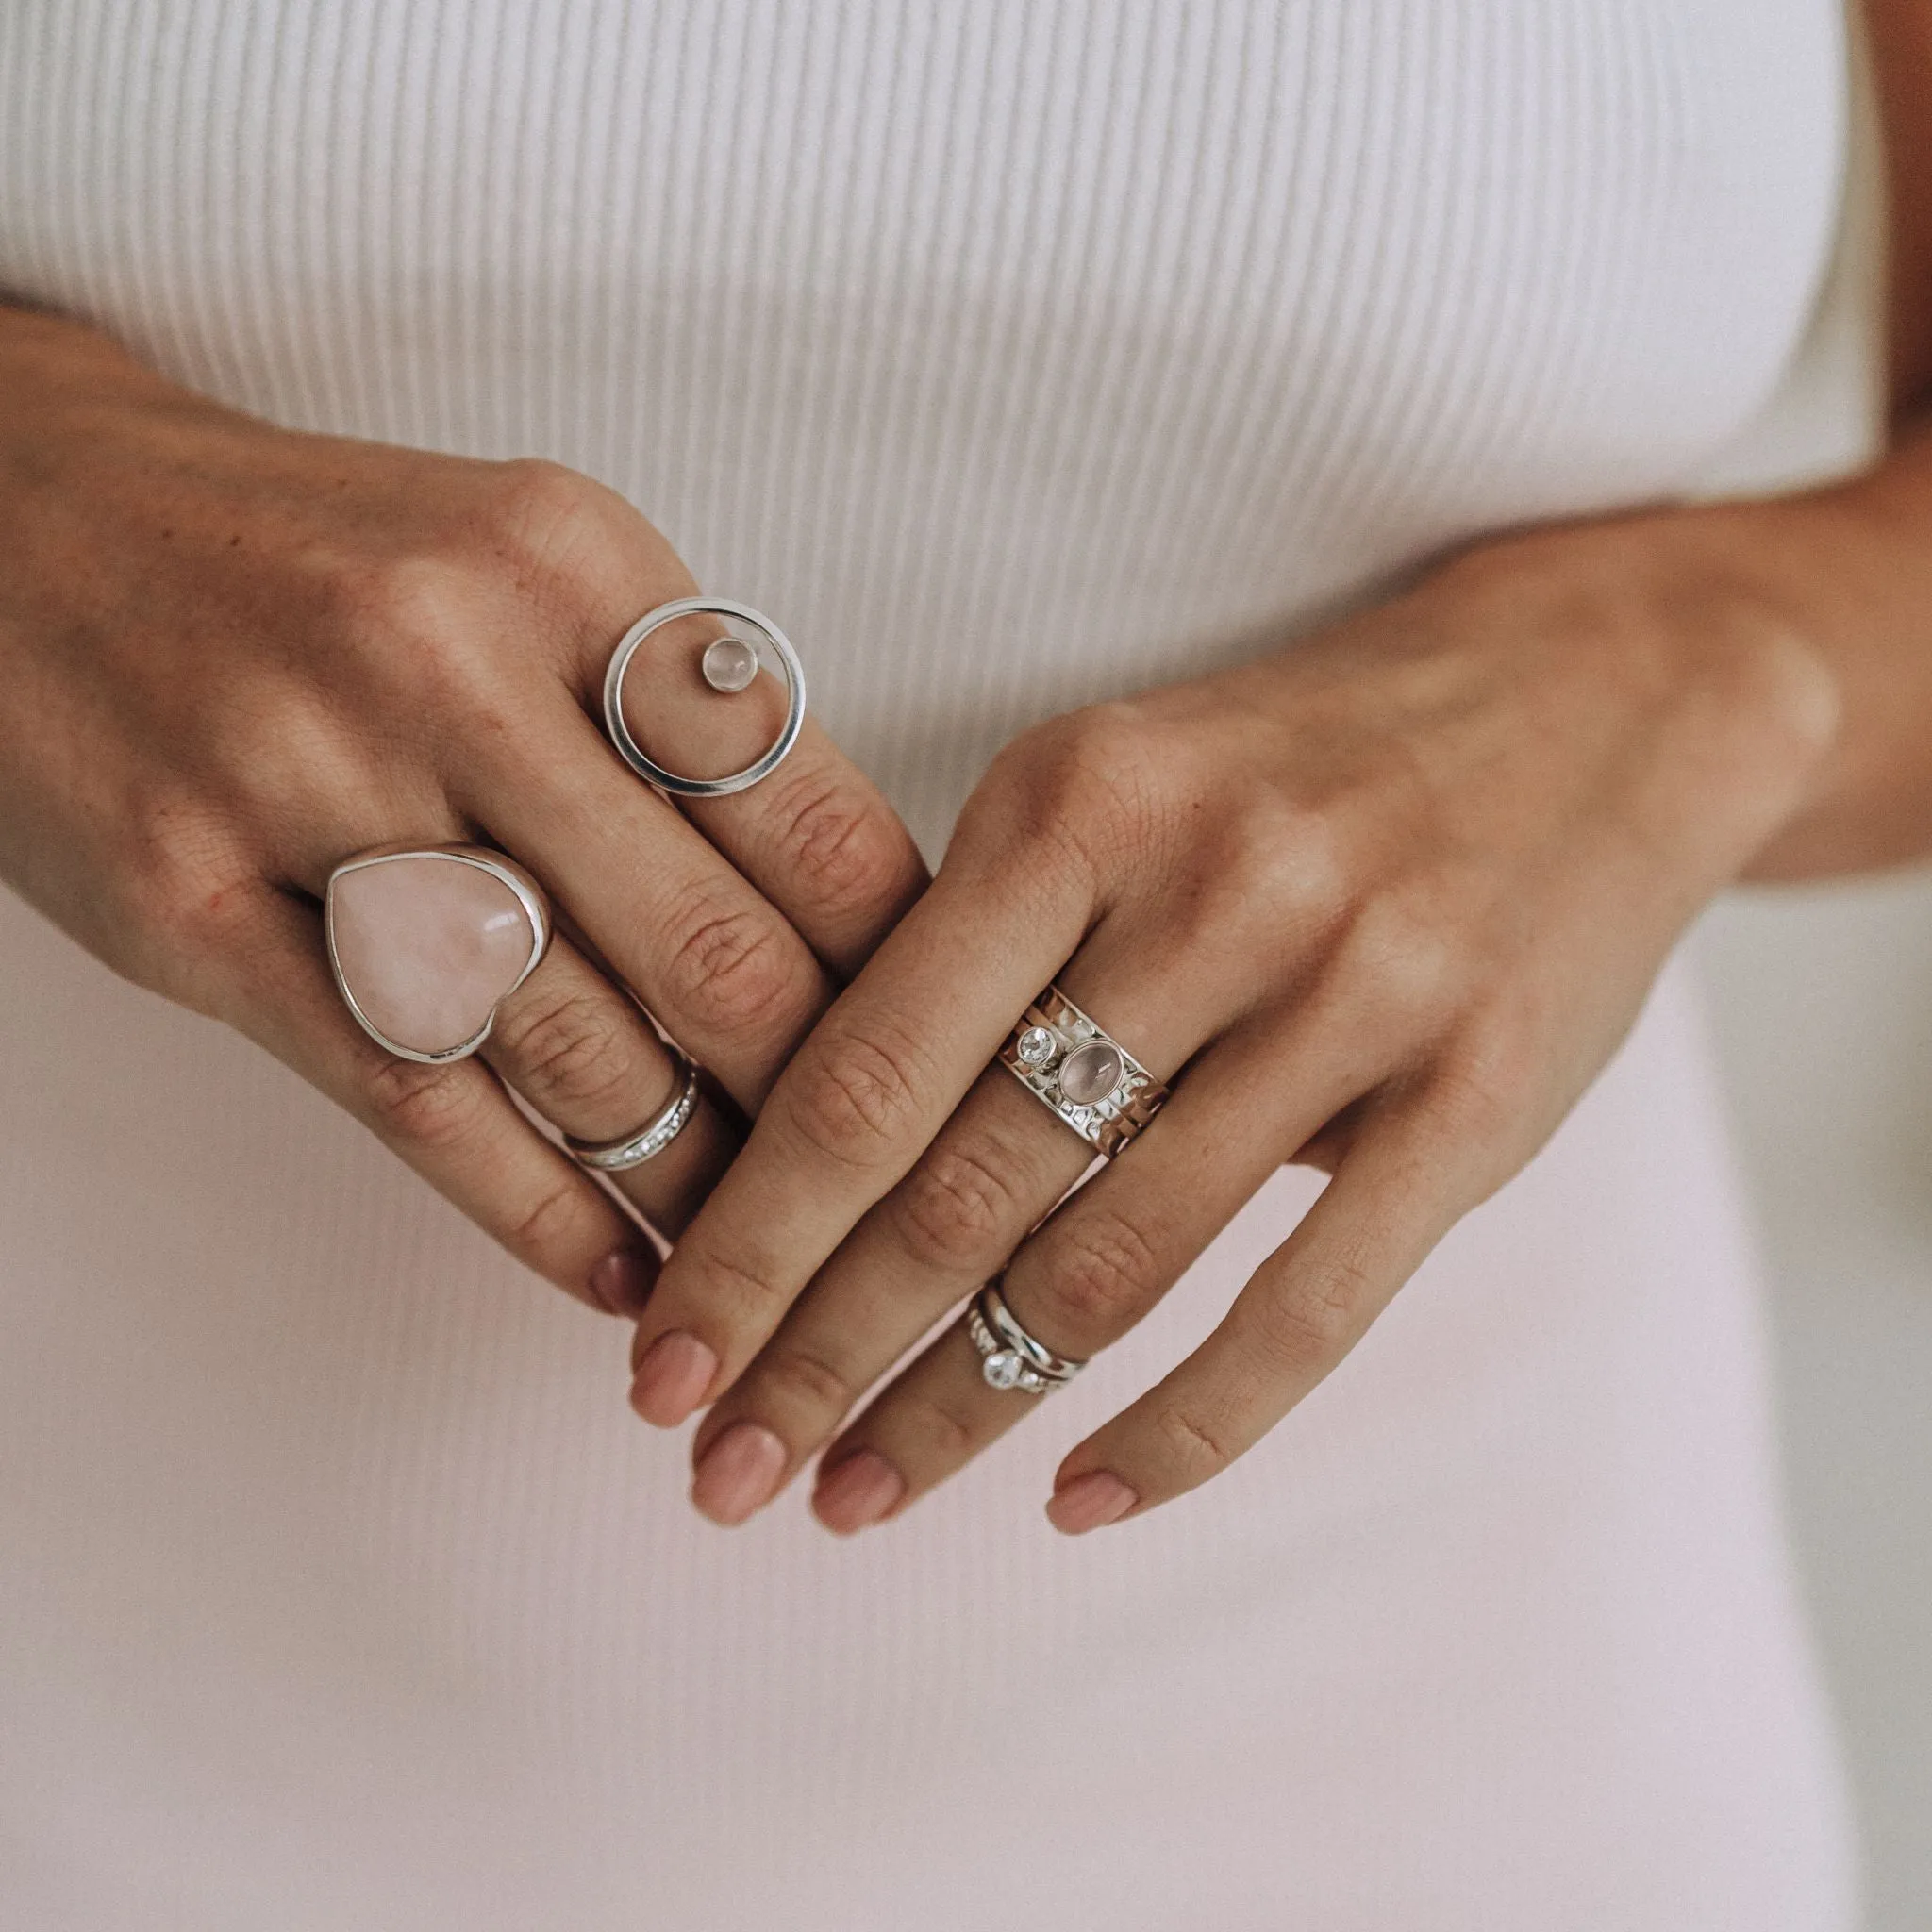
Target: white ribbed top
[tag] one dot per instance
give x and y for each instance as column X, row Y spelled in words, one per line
column 1010, row 354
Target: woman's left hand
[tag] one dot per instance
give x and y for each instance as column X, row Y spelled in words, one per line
column 1385, row 903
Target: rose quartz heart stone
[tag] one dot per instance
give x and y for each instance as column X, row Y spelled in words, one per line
column 427, row 945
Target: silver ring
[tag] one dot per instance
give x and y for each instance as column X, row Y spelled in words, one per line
column 1009, row 1357
column 646, row 767
column 649, row 1141
column 500, row 976
column 1081, row 1073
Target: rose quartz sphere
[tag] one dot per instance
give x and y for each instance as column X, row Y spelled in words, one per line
column 427, row 945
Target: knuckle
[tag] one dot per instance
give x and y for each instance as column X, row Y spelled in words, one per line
column 805, row 1383
column 185, row 882
column 1103, row 1273
column 729, row 969
column 1079, row 785
column 854, row 1099
column 934, row 1434
column 1307, row 1329
column 1194, row 1448
column 538, row 516
column 844, row 849
column 434, row 1108
column 1413, row 964
column 957, row 1209
column 576, row 1051
column 737, row 1294
column 544, row 1226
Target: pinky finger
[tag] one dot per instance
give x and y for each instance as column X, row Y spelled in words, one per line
column 453, row 1124
column 1391, row 1199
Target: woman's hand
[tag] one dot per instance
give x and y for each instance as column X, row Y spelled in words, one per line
column 1385, row 903
column 231, row 656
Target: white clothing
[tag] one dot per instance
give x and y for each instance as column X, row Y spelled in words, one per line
column 1012, row 355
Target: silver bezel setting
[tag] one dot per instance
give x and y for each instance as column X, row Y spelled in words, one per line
column 633, row 753
column 1050, row 1032
column 1009, row 1357
column 529, row 894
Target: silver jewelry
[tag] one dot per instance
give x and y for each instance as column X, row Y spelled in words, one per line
column 647, row 1141
column 1085, row 1076
column 1009, row 1357
column 395, row 996
column 729, row 664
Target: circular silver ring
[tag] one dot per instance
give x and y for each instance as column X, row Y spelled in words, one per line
column 392, row 997
column 1081, row 1073
column 1009, row 1357
column 633, row 753
column 647, row 1141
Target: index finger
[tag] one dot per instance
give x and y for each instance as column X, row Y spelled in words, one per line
column 859, row 1101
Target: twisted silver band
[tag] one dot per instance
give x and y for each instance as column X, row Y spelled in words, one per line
column 720, row 679
column 1079, row 1071
column 1010, row 1357
column 649, row 1141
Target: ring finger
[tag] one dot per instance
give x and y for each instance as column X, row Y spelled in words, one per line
column 583, row 1054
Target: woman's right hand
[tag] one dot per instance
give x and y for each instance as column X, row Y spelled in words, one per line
column 232, row 655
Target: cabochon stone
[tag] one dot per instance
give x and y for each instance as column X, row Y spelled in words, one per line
column 427, row 945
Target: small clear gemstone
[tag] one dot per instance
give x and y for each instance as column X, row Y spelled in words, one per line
column 1003, row 1368
column 1035, row 1047
column 729, row 664
column 1091, row 1072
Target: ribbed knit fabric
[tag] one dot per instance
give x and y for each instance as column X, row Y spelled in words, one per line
column 1012, row 355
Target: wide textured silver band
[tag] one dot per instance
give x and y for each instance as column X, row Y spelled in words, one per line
column 1010, row 1357
column 1073, row 1066
column 633, row 753
column 649, row 1141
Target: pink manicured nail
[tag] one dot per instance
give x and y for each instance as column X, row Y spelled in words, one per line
column 1089, row 1502
column 857, row 1492
column 623, row 1281
column 738, row 1472
column 672, row 1378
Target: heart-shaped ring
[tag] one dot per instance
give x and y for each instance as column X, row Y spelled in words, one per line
column 427, row 942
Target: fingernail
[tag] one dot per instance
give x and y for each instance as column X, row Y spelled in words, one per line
column 623, row 1281
column 1089, row 1502
column 672, row 1378
column 737, row 1473
column 857, row 1492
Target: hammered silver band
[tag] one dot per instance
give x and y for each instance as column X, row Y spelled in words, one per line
column 1009, row 1357
column 1081, row 1073
column 649, row 1141
column 726, row 676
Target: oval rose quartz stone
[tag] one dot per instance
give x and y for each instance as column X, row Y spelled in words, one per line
column 427, row 945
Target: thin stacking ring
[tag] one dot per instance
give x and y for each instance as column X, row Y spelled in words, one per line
column 1081, row 1073
column 1010, row 1357
column 633, row 753
column 647, row 1141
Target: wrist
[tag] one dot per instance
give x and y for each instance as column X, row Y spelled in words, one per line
column 1692, row 617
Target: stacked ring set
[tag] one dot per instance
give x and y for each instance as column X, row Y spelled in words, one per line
column 427, row 942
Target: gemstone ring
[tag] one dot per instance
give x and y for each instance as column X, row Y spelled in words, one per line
column 1087, row 1077
column 1009, row 1357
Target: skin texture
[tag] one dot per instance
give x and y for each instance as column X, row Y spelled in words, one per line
column 235, row 656
column 1385, row 903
